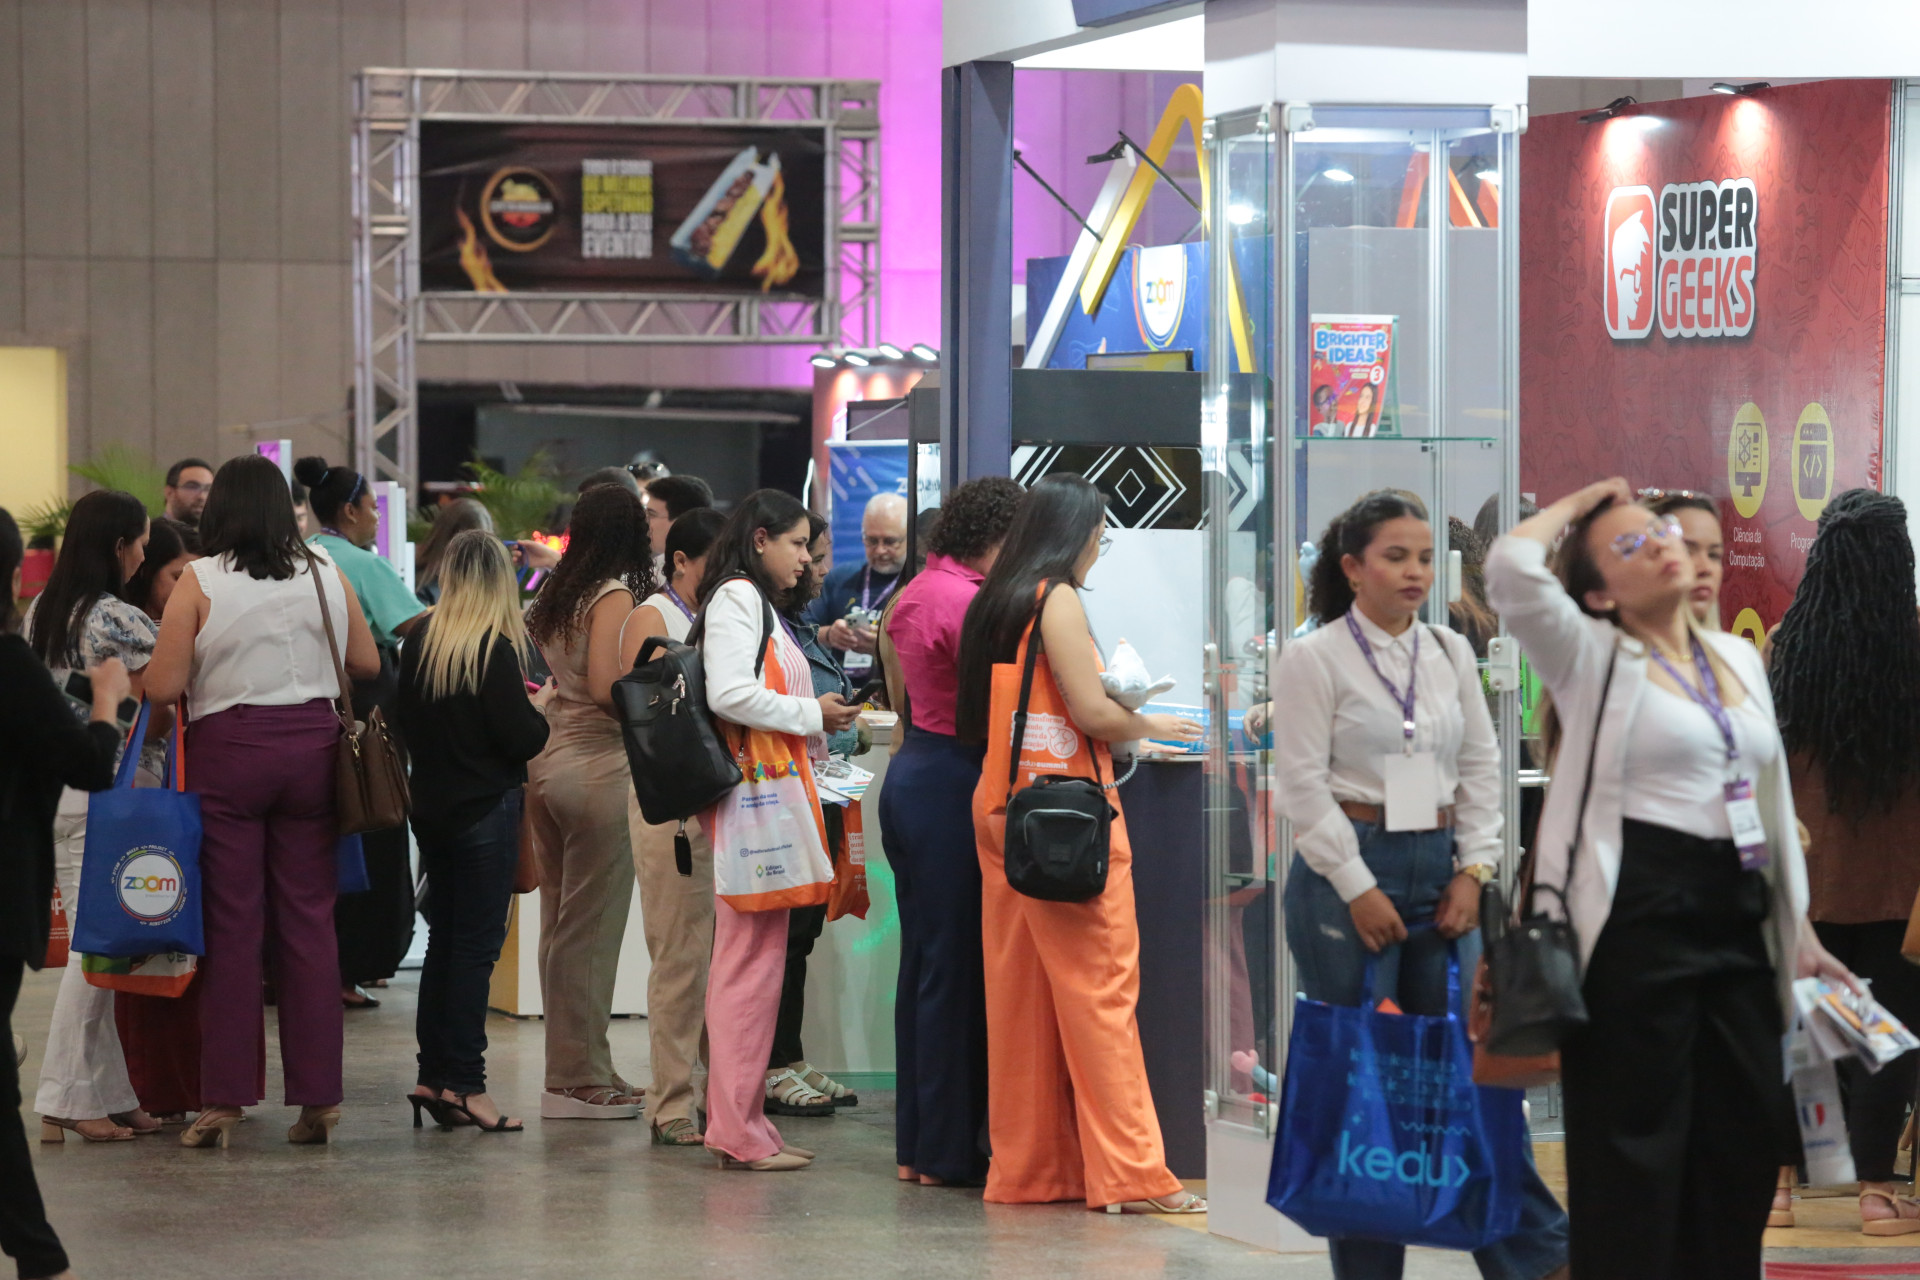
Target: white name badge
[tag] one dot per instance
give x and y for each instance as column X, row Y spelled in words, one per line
column 1749, row 832
column 1413, row 790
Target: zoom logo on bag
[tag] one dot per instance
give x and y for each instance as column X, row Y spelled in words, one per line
column 150, row 884
column 1420, row 1167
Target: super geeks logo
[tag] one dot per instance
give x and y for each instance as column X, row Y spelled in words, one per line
column 1687, row 259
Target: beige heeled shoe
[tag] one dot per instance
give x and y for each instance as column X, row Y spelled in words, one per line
column 314, row 1127
column 56, row 1128
column 209, row 1130
column 781, row 1162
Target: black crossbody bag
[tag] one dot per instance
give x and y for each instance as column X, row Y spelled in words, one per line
column 1534, row 963
column 1058, row 829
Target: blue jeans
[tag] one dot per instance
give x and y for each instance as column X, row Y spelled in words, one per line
column 1413, row 869
column 471, row 879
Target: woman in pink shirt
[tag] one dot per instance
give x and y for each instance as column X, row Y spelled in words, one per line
column 926, row 826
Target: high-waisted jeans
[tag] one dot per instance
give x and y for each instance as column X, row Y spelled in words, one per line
column 472, row 878
column 1413, row 869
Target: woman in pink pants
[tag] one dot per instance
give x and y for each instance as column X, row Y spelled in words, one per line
column 758, row 557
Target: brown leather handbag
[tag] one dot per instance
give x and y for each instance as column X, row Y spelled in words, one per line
column 370, row 783
column 1502, row 1070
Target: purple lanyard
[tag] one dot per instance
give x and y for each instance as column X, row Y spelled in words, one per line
column 1707, row 695
column 1413, row 671
column 866, row 589
column 674, row 596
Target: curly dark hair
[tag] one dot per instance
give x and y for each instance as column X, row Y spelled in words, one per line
column 1329, row 594
column 975, row 518
column 1845, row 664
column 606, row 539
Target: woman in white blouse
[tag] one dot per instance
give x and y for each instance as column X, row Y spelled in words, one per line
column 1386, row 764
column 1688, row 893
column 758, row 557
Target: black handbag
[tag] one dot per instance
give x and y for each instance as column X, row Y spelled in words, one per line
column 1534, row 962
column 1058, row 829
column 680, row 763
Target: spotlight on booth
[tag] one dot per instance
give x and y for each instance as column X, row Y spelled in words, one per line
column 823, row 360
column 1723, row 86
column 1336, row 175
column 922, row 351
column 890, row 352
column 857, row 359
column 1609, row 111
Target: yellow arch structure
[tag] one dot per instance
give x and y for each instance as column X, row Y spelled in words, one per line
column 1184, row 107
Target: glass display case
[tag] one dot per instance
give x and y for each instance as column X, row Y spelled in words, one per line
column 1363, row 314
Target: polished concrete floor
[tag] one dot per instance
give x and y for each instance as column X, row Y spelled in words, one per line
column 572, row 1198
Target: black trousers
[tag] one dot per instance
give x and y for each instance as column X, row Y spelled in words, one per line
column 472, row 879
column 804, row 927
column 940, row 1008
column 24, row 1233
column 1877, row 1102
column 1676, row 1120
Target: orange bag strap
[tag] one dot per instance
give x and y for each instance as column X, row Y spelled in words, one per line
column 1035, row 643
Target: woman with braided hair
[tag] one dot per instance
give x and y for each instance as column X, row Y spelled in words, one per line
column 1845, row 671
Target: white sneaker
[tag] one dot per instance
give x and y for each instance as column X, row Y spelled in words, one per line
column 597, row 1105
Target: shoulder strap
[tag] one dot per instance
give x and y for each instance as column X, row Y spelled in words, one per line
column 341, row 706
column 698, row 630
column 1034, row 644
column 1586, row 786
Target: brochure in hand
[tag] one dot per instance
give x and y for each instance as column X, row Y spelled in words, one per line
column 1842, row 1022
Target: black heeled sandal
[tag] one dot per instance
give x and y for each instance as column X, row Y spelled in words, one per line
column 436, row 1107
column 459, row 1103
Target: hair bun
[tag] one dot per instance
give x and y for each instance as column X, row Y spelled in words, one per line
column 311, row 471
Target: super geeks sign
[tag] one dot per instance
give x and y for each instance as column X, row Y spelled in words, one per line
column 1703, row 307
column 1699, row 283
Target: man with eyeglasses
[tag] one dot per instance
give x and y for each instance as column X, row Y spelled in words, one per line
column 851, row 600
column 188, row 483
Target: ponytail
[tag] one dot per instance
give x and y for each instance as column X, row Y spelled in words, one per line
column 1329, row 594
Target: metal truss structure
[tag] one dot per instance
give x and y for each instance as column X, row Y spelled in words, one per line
column 392, row 315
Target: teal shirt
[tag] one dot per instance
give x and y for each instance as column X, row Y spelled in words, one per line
column 384, row 597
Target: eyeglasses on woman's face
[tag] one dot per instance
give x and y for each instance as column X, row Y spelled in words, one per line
column 1661, row 529
column 1106, row 544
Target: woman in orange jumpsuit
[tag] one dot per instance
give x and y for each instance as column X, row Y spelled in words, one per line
column 1068, row 1110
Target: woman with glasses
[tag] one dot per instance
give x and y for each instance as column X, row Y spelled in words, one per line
column 1699, row 519
column 1688, row 891
column 1386, row 763
column 1069, row 1116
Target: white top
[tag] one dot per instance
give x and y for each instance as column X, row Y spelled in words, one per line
column 1569, row 651
column 678, row 623
column 732, row 640
column 1334, row 721
column 1677, row 770
column 263, row 644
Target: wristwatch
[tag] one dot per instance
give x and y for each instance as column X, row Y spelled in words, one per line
column 1482, row 872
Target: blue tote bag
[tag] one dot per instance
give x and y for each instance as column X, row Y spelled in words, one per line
column 140, row 874
column 1383, row 1134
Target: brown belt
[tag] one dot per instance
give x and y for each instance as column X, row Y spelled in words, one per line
column 1376, row 814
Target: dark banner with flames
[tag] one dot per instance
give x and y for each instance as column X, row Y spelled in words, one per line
column 672, row 208
column 1703, row 306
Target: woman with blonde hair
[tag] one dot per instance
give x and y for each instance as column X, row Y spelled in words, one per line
column 464, row 705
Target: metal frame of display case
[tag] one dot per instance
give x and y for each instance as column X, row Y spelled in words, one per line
column 1248, row 1129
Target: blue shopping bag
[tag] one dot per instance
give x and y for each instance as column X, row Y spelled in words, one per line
column 140, row 873
column 350, row 860
column 1383, row 1134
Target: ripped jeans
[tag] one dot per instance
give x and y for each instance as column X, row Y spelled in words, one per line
column 1413, row 869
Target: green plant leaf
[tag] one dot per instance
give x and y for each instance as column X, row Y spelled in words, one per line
column 46, row 522
column 115, row 466
column 520, row 501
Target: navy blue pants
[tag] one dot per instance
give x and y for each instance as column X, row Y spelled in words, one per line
column 940, row 1010
column 471, row 879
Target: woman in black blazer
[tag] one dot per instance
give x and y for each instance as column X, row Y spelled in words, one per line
column 43, row 747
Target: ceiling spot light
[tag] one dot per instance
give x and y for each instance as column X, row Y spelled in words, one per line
column 1241, row 214
column 1722, row 86
column 890, row 351
column 1488, row 175
column 857, row 360
column 1336, row 175
column 922, row 351
column 823, row 360
column 1609, row 111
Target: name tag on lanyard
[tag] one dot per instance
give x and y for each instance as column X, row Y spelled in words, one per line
column 1413, row 790
column 1749, row 832
column 1743, row 811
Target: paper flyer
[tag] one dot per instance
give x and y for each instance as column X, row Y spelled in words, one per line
column 1352, row 388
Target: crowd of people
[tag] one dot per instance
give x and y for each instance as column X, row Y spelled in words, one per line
column 256, row 618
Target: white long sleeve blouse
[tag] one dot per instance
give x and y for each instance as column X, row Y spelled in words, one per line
column 1570, row 652
column 1339, row 721
column 735, row 617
